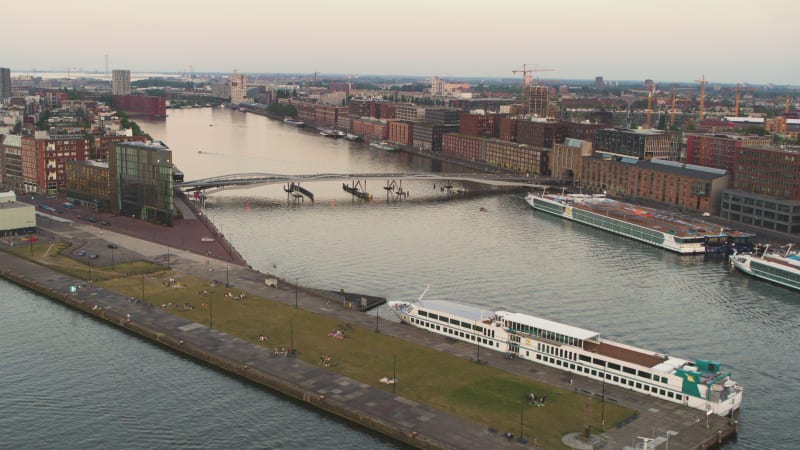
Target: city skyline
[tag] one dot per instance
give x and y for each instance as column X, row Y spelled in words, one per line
column 577, row 39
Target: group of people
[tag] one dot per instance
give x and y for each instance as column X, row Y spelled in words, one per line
column 263, row 338
column 324, row 360
column 535, row 400
column 338, row 334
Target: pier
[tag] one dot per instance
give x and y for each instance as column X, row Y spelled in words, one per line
column 356, row 190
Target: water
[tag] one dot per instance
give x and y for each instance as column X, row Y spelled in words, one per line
column 506, row 256
column 70, row 381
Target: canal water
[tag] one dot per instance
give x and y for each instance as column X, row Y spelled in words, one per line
column 491, row 251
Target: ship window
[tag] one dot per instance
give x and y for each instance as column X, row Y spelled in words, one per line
column 630, row 382
column 585, row 358
column 527, row 353
column 644, row 374
column 454, row 321
column 558, row 362
column 539, row 357
column 647, row 388
column 616, row 379
column 599, row 362
column 638, row 385
column 594, row 373
column 444, row 319
column 662, row 392
column 433, row 316
column 629, row 370
column 678, row 397
column 613, row 366
column 423, row 313
column 670, row 395
column 572, row 366
column 465, row 325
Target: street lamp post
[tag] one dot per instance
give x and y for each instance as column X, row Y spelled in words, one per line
column 603, row 407
column 211, row 311
column 291, row 337
column 295, row 292
column 377, row 319
column 521, row 414
column 394, row 373
column 227, row 284
column 142, row 287
column 113, row 264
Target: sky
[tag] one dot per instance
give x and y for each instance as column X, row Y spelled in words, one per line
column 729, row 41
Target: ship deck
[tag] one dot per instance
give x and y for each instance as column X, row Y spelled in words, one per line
column 679, row 224
column 632, row 356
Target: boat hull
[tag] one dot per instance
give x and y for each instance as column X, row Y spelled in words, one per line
column 772, row 272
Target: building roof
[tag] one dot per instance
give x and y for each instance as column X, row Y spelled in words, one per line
column 689, row 170
column 549, row 325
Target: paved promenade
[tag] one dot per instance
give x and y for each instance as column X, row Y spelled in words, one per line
column 668, row 424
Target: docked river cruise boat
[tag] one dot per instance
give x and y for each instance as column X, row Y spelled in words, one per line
column 699, row 384
column 669, row 230
column 782, row 269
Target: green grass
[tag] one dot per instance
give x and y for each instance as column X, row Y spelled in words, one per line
column 477, row 393
column 448, row 383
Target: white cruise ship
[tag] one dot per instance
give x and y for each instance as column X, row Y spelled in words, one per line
column 700, row 384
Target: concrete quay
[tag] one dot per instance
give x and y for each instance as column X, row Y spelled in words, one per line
column 666, row 424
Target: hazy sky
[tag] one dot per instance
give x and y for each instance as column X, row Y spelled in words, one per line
column 728, row 41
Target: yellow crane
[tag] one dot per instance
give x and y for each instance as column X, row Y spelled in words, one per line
column 525, row 81
column 703, row 83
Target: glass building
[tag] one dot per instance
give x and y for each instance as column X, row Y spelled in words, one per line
column 141, row 181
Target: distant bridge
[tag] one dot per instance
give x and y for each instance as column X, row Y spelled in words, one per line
column 253, row 179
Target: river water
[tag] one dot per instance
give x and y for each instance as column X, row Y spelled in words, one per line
column 507, row 255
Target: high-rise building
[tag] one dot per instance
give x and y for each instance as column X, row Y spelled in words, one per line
column 598, row 83
column 5, row 83
column 538, row 97
column 120, row 82
column 238, row 88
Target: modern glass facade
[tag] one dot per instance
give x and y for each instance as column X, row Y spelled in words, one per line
column 141, row 181
column 761, row 211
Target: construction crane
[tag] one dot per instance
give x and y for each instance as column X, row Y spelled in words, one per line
column 525, row 81
column 739, row 90
column 650, row 91
column 675, row 100
column 703, row 83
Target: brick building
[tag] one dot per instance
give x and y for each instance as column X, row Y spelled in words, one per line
column 540, row 133
column 45, row 155
column 140, row 105
column 470, row 148
column 508, row 129
column 719, row 150
column 401, row 132
column 565, row 159
column 582, row 131
column 483, row 125
column 443, row 116
column 371, row 129
column 665, row 182
column 520, row 158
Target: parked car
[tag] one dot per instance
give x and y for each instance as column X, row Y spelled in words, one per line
column 92, row 219
column 105, row 223
column 93, row 256
column 81, row 253
column 113, row 245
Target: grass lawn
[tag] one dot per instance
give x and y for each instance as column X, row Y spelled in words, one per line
column 451, row 384
column 478, row 393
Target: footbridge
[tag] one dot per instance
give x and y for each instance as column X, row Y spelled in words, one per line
column 253, row 179
column 449, row 182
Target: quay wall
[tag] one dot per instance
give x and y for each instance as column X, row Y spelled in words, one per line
column 287, row 387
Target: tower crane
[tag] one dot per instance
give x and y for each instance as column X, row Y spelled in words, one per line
column 650, row 91
column 525, row 81
column 703, row 83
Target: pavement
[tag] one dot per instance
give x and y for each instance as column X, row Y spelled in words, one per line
column 662, row 422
